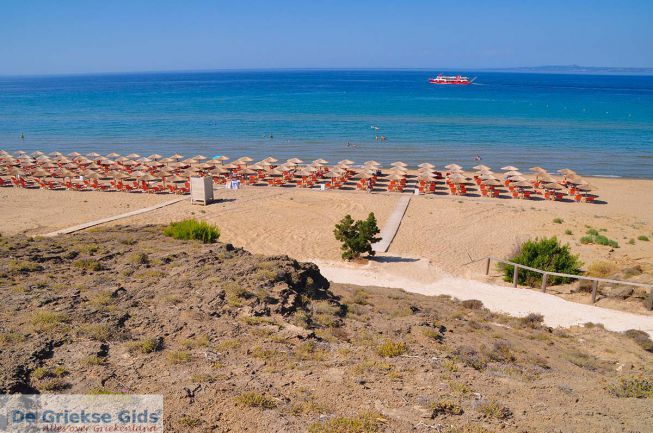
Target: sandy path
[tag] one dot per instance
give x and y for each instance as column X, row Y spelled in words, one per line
column 516, row 302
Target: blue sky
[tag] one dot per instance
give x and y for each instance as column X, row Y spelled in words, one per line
column 87, row 36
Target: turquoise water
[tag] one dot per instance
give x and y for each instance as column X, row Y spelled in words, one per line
column 597, row 124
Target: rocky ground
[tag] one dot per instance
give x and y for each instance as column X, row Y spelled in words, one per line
column 239, row 342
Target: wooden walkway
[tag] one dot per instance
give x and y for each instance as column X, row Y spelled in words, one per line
column 391, row 226
column 114, row 217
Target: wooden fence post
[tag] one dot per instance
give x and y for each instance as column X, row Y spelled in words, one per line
column 487, row 267
column 649, row 305
column 595, row 285
column 545, row 279
column 515, row 276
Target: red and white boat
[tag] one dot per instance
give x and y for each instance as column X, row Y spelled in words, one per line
column 453, row 79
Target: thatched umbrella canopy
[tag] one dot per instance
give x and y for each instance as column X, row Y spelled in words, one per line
column 537, row 169
column 178, row 179
column 133, row 155
column 492, row 182
column 371, row 162
column 516, row 178
column 346, row 162
column 522, row 184
column 74, row 154
column 55, row 154
column 586, row 187
column 457, row 178
column 223, row 158
column 453, row 167
column 552, row 186
column 512, row 173
column 37, row 153
column 155, row 156
column 230, row 166
column 399, row 164
column 41, row 172
column 481, row 167
column 509, row 168
column 566, row 171
column 294, row 161
column 93, row 155
column 113, row 155
column 320, row 161
column 176, row 156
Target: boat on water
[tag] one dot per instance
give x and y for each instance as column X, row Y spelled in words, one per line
column 451, row 79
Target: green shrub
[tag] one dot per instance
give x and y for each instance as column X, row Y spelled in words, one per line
column 357, row 237
column 569, row 232
column 191, row 229
column 557, row 220
column 593, row 237
column 546, row 254
column 643, row 238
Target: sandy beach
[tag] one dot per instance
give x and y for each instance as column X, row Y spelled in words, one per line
column 446, row 231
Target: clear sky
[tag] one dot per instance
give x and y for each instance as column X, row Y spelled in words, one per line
column 87, row 36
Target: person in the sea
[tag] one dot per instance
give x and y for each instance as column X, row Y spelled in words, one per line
column 22, row 136
column 477, row 157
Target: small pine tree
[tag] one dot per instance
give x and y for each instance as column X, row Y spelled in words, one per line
column 357, row 237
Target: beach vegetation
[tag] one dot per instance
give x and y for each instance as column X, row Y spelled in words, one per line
column 357, row 237
column 256, row 399
column 43, row 320
column 445, row 407
column 470, row 357
column 147, row 345
column 191, row 229
column 643, row 238
column 364, row 423
column 178, row 357
column 601, row 269
column 492, row 409
column 641, row 338
column 95, row 331
column 189, row 421
column 23, row 266
column 139, row 259
column 592, row 236
column 633, row 387
column 547, row 254
column 532, row 320
column 88, row 265
column 568, row 232
column 558, row 220
column 391, row 349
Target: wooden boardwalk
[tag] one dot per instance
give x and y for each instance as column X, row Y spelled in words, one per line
column 391, row 226
column 114, row 217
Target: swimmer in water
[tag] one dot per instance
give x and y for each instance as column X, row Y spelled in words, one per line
column 477, row 158
column 22, row 136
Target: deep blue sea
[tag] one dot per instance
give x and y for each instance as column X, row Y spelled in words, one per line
column 596, row 124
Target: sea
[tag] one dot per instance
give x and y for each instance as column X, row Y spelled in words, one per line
column 598, row 125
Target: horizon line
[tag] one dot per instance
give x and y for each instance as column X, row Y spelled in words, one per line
column 551, row 69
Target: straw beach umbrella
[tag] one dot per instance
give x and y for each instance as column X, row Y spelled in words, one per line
column 453, row 167
column 481, row 167
column 509, row 168
column 346, row 162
